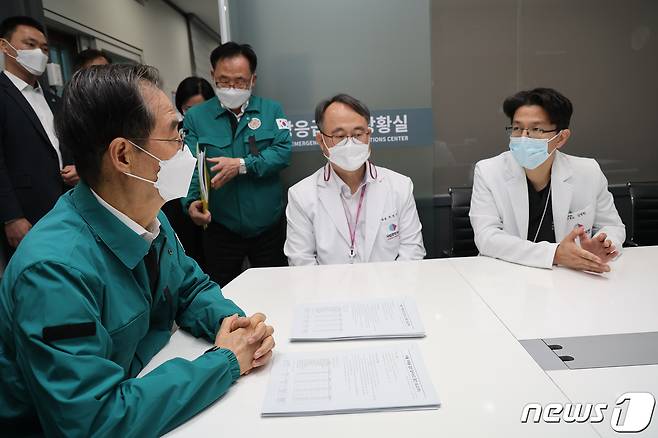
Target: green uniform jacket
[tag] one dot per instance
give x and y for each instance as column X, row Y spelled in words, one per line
column 78, row 322
column 249, row 204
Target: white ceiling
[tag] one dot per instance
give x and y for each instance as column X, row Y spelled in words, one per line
column 206, row 10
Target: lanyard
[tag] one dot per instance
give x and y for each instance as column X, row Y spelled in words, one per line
column 352, row 229
column 541, row 222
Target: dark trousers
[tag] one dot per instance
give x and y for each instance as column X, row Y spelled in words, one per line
column 225, row 251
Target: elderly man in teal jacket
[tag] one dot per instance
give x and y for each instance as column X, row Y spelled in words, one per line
column 92, row 293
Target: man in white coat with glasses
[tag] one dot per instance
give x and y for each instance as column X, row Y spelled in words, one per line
column 350, row 211
column 537, row 206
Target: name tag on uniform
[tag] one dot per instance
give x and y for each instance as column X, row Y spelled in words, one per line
column 584, row 218
column 391, row 228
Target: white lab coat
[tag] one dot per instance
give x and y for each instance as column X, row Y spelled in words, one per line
column 499, row 207
column 317, row 227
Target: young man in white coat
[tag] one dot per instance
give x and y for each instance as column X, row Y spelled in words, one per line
column 350, row 211
column 536, row 206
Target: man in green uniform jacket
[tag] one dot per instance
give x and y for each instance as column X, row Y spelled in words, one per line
column 247, row 141
column 92, row 293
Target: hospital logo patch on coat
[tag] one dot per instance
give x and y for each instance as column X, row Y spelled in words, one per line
column 393, row 231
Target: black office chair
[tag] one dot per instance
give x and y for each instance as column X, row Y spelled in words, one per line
column 644, row 213
column 462, row 243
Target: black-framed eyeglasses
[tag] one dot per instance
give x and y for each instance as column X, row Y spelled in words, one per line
column 180, row 140
column 339, row 140
column 517, row 131
column 240, row 83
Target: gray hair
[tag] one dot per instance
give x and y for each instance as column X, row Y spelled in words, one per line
column 102, row 103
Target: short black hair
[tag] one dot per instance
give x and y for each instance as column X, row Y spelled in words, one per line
column 9, row 25
column 232, row 49
column 354, row 103
column 89, row 55
column 556, row 105
column 99, row 104
column 190, row 87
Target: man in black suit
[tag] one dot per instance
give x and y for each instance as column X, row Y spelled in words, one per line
column 34, row 169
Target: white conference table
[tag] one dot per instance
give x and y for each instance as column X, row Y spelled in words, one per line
column 540, row 303
column 483, row 376
column 551, row 303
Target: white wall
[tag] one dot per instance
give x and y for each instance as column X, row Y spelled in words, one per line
column 158, row 30
column 203, row 43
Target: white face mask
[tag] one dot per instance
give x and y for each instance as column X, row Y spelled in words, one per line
column 350, row 154
column 34, row 60
column 233, row 98
column 173, row 180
